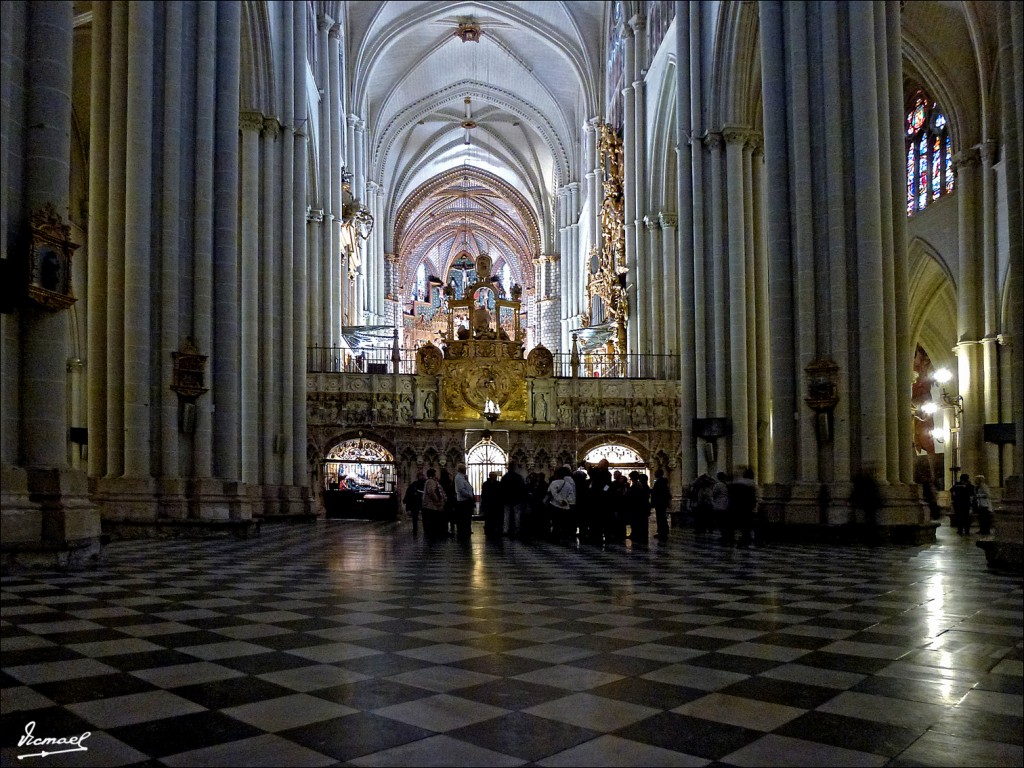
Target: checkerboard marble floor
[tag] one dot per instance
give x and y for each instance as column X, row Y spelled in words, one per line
column 359, row 643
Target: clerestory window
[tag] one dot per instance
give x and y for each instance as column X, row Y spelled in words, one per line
column 929, row 152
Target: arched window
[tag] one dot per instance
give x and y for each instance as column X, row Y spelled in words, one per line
column 482, row 459
column 359, row 465
column 506, row 279
column 421, row 283
column 620, row 457
column 929, row 152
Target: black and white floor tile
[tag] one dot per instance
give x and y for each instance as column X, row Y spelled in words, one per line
column 361, row 644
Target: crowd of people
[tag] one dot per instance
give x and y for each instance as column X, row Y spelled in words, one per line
column 595, row 505
column 598, row 505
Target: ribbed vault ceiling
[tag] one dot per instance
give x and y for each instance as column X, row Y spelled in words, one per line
column 511, row 105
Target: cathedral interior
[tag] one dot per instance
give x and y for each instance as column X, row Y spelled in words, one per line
column 263, row 262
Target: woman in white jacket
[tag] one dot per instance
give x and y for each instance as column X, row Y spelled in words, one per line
column 983, row 505
column 561, row 498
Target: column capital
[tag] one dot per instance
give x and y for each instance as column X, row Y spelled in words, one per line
column 650, row 223
column 713, row 140
column 638, row 23
column 335, row 31
column 735, row 134
column 250, row 121
column 324, row 23
column 668, row 220
column 315, row 215
column 391, row 258
column 989, row 152
column 272, row 127
column 966, row 158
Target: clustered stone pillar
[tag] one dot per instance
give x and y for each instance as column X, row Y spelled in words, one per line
column 191, row 248
column 849, row 318
column 57, row 525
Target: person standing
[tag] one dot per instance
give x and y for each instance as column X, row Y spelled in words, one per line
column 638, row 508
column 962, row 495
column 448, row 483
column 581, row 482
column 434, row 499
column 720, row 506
column 661, row 497
column 490, row 505
column 413, row 499
column 983, row 505
column 465, row 503
column 743, row 502
column 598, row 499
column 866, row 496
column 513, row 497
column 561, row 498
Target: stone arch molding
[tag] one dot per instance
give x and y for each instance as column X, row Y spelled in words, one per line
column 933, row 301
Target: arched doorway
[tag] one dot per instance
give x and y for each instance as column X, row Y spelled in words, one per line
column 359, row 480
column 620, row 457
column 482, row 459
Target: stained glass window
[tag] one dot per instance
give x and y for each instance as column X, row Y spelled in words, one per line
column 911, row 165
column 929, row 152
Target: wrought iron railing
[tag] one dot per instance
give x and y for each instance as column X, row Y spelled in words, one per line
column 343, row 360
column 630, row 366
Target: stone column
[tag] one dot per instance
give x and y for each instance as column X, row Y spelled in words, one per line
column 57, row 525
column 990, row 300
column 719, row 350
column 672, row 303
column 688, row 344
column 138, row 175
column 750, row 300
column 314, row 224
column 737, row 302
column 325, row 171
column 226, row 354
column 171, row 491
column 646, row 319
column 290, row 202
column 298, row 438
column 1007, row 549
column 572, row 258
column 269, row 277
column 969, row 380
column 636, row 314
column 654, row 309
column 99, row 192
column 115, row 238
column 807, row 49
column 203, row 241
column 251, row 124
column 765, row 452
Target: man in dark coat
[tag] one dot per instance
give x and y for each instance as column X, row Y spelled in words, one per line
column 513, row 498
column 962, row 495
column 413, row 499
